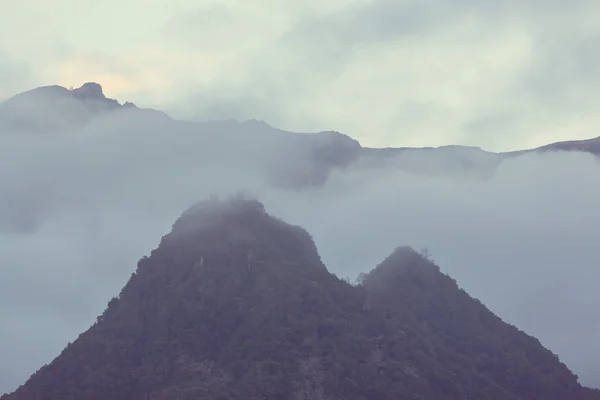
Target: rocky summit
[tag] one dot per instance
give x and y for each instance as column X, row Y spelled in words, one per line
column 236, row 304
column 55, row 108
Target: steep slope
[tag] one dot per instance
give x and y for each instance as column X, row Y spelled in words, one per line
column 411, row 292
column 236, row 304
column 232, row 302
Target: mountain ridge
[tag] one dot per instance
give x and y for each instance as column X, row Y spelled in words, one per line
column 298, row 160
column 55, row 108
column 236, row 304
column 93, row 91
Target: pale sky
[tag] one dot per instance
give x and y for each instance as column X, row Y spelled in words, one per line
column 497, row 74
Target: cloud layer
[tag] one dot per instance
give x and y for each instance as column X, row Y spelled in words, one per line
column 78, row 210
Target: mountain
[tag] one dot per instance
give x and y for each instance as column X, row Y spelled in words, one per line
column 54, row 108
column 237, row 304
column 589, row 145
column 302, row 159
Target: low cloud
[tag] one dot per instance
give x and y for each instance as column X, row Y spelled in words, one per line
column 78, row 210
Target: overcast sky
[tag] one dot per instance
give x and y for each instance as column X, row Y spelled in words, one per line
column 498, row 74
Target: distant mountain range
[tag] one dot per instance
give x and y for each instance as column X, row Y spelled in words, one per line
column 236, row 304
column 55, row 108
column 50, row 108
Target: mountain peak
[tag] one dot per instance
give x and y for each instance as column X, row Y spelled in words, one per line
column 235, row 301
column 403, row 261
column 238, row 204
column 410, row 287
column 56, row 108
column 89, row 90
column 239, row 223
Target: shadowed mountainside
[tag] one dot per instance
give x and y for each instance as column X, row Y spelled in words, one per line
column 236, row 304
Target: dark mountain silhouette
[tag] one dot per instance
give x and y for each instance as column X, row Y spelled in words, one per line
column 236, row 304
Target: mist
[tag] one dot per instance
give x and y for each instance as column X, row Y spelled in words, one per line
column 79, row 208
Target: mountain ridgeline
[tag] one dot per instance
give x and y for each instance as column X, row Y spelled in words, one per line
column 52, row 109
column 237, row 304
column 299, row 160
